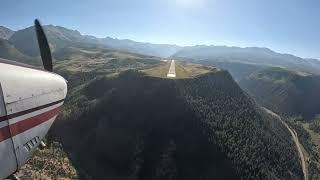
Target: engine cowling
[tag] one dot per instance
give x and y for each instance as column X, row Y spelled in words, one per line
column 30, row 100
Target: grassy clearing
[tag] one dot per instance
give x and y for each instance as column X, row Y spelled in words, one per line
column 183, row 70
column 159, row 71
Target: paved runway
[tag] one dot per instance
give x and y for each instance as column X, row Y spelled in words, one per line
column 172, row 70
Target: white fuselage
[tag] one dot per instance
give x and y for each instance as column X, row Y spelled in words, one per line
column 30, row 100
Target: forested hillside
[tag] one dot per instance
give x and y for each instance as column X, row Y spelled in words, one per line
column 285, row 91
column 136, row 126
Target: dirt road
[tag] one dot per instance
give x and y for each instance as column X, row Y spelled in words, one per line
column 296, row 141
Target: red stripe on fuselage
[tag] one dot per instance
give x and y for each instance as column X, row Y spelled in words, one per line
column 4, row 133
column 27, row 124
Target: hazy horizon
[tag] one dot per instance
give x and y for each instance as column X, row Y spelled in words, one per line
column 286, row 27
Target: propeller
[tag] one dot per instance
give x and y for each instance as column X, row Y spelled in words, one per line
column 44, row 47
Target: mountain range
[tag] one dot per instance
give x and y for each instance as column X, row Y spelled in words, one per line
column 59, row 37
column 249, row 55
column 242, row 63
column 135, row 123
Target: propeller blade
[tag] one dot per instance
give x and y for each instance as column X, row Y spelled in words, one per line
column 43, row 46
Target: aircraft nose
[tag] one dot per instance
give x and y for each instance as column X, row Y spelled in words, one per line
column 63, row 83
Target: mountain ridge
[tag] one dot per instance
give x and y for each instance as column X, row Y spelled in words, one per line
column 151, row 48
column 60, row 37
column 5, row 33
column 249, row 55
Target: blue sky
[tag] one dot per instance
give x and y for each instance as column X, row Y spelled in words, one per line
column 287, row 26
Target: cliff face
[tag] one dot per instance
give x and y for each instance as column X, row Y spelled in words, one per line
column 141, row 127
